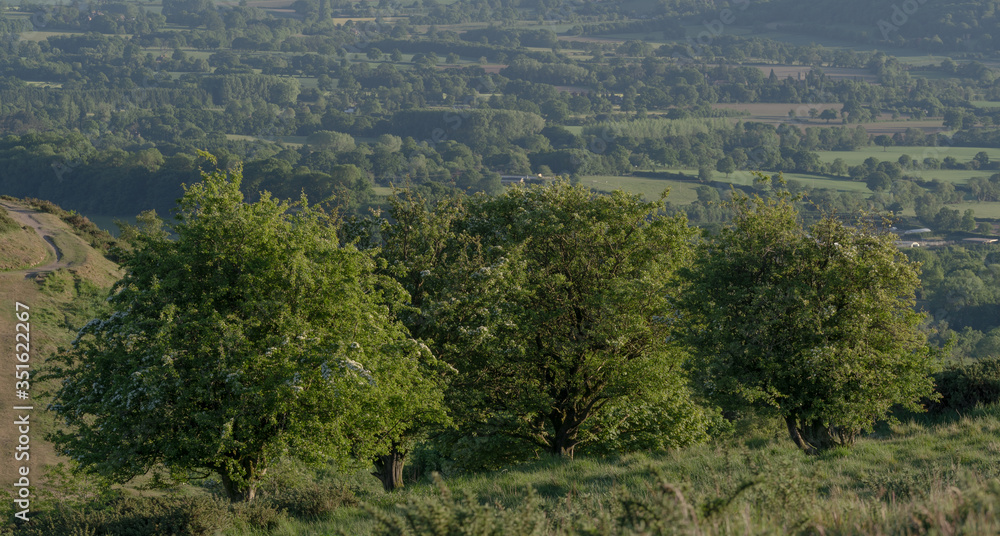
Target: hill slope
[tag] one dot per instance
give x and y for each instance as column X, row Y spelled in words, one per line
column 62, row 280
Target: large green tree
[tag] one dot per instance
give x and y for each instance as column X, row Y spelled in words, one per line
column 551, row 302
column 815, row 325
column 249, row 336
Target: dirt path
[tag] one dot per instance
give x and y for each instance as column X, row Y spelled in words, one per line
column 27, row 216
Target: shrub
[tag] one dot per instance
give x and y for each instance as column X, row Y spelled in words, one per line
column 134, row 516
column 258, row 514
column 313, row 500
column 7, row 224
column 964, row 386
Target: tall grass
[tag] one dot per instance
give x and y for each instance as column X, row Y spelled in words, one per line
column 929, row 474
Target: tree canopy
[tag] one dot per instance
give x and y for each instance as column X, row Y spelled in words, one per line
column 250, row 336
column 813, row 324
column 550, row 301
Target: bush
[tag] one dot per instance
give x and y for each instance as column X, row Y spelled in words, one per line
column 7, row 224
column 258, row 514
column 965, row 386
column 313, row 500
column 134, row 516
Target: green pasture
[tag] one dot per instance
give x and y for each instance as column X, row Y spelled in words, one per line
column 684, row 192
column 746, row 178
column 292, row 141
column 853, row 158
column 681, row 193
column 962, row 154
column 981, row 210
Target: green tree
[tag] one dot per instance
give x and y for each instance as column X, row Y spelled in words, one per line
column 550, row 301
column 982, row 160
column 726, row 165
column 828, row 114
column 704, row 173
column 883, row 141
column 252, row 335
column 813, row 325
column 878, row 181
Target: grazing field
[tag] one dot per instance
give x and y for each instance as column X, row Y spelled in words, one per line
column 771, row 112
column 962, row 154
column 681, row 193
column 684, row 192
column 42, row 36
column 982, row 210
column 777, row 113
column 800, row 71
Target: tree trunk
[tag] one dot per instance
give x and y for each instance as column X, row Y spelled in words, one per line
column 389, row 469
column 796, row 434
column 814, row 437
column 236, row 492
column 564, row 442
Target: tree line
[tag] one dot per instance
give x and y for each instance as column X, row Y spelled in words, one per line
column 487, row 329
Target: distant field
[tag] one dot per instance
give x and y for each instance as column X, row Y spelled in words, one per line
column 291, row 141
column 962, row 154
column 836, row 73
column 766, row 112
column 681, row 193
column 777, row 112
column 42, row 36
column 981, row 210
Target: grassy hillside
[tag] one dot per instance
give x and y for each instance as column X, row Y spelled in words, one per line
column 62, row 294
column 19, row 247
column 922, row 476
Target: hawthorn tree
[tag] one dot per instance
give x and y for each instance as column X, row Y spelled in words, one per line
column 551, row 302
column 815, row 324
column 250, row 336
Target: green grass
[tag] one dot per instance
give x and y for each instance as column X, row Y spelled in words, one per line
column 938, row 471
column 981, row 210
column 892, row 154
column 681, row 193
column 962, row 154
